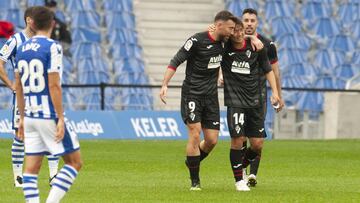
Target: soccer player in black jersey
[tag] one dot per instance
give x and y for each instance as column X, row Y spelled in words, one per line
column 250, row 21
column 244, row 70
column 199, row 96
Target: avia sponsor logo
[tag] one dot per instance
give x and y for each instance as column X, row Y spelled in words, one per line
column 86, row 127
column 215, row 62
column 155, row 127
column 5, row 126
column 242, row 67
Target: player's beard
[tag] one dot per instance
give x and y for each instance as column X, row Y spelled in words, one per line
column 249, row 31
column 223, row 38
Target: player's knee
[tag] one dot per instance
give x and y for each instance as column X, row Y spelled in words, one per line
column 237, row 142
column 194, row 129
column 77, row 164
column 257, row 147
column 211, row 142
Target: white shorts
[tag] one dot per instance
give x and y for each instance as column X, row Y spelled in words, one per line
column 40, row 138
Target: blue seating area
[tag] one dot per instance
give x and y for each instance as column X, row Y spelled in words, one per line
column 113, row 56
column 317, row 40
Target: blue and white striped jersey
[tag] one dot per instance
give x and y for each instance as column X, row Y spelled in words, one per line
column 8, row 51
column 34, row 60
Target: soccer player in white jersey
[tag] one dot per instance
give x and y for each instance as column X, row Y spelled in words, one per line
column 42, row 125
column 8, row 53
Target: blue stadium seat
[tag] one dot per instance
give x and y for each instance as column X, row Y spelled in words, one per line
column 122, row 36
column 5, row 98
column 279, row 9
column 119, row 20
column 349, row 12
column 121, row 51
column 356, row 58
column 76, row 5
column 325, row 81
column 325, row 27
column 294, row 41
column 301, row 69
column 15, row 16
column 92, row 99
column 92, row 71
column 85, row 35
column 315, row 10
column 291, row 56
column 7, row 5
column 85, row 50
column 355, row 29
column 35, row 3
column 295, row 81
column 128, row 65
column 284, row 25
column 327, row 59
column 61, row 16
column 311, row 101
column 344, row 71
column 237, row 6
column 85, row 19
column 137, row 102
column 92, row 64
column 115, row 5
column 342, row 43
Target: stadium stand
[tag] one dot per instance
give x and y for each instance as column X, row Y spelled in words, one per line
column 317, row 43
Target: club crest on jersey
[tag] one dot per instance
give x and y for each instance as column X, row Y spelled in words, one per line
column 237, row 129
column 248, row 53
column 242, row 67
column 215, row 62
column 4, row 50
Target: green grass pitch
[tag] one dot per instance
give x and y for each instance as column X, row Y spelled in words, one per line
column 154, row 171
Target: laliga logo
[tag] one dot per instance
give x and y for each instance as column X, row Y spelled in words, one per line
column 87, row 127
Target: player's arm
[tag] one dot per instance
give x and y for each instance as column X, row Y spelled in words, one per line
column 55, row 90
column 20, row 104
column 182, row 55
column 256, row 43
column 272, row 55
column 6, row 51
column 265, row 65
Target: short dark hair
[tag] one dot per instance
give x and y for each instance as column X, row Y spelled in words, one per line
column 42, row 17
column 250, row 11
column 225, row 16
column 28, row 13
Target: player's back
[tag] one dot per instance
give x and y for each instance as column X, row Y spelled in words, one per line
column 35, row 59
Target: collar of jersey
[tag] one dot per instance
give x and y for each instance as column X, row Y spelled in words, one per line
column 40, row 36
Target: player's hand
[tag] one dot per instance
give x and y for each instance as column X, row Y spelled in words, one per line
column 256, row 44
column 163, row 93
column 275, row 102
column 282, row 105
column 13, row 87
column 211, row 28
column 20, row 132
column 60, row 130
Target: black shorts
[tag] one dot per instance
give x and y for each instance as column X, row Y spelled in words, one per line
column 206, row 110
column 247, row 122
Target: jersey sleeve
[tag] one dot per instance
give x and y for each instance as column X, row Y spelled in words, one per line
column 56, row 55
column 184, row 53
column 9, row 49
column 264, row 61
column 272, row 53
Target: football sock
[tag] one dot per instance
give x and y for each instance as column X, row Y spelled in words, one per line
column 62, row 183
column 236, row 157
column 203, row 154
column 53, row 162
column 249, row 156
column 17, row 156
column 254, row 166
column 30, row 188
column 194, row 167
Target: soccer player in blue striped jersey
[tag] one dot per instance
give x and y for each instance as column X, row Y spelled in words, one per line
column 8, row 53
column 42, row 125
